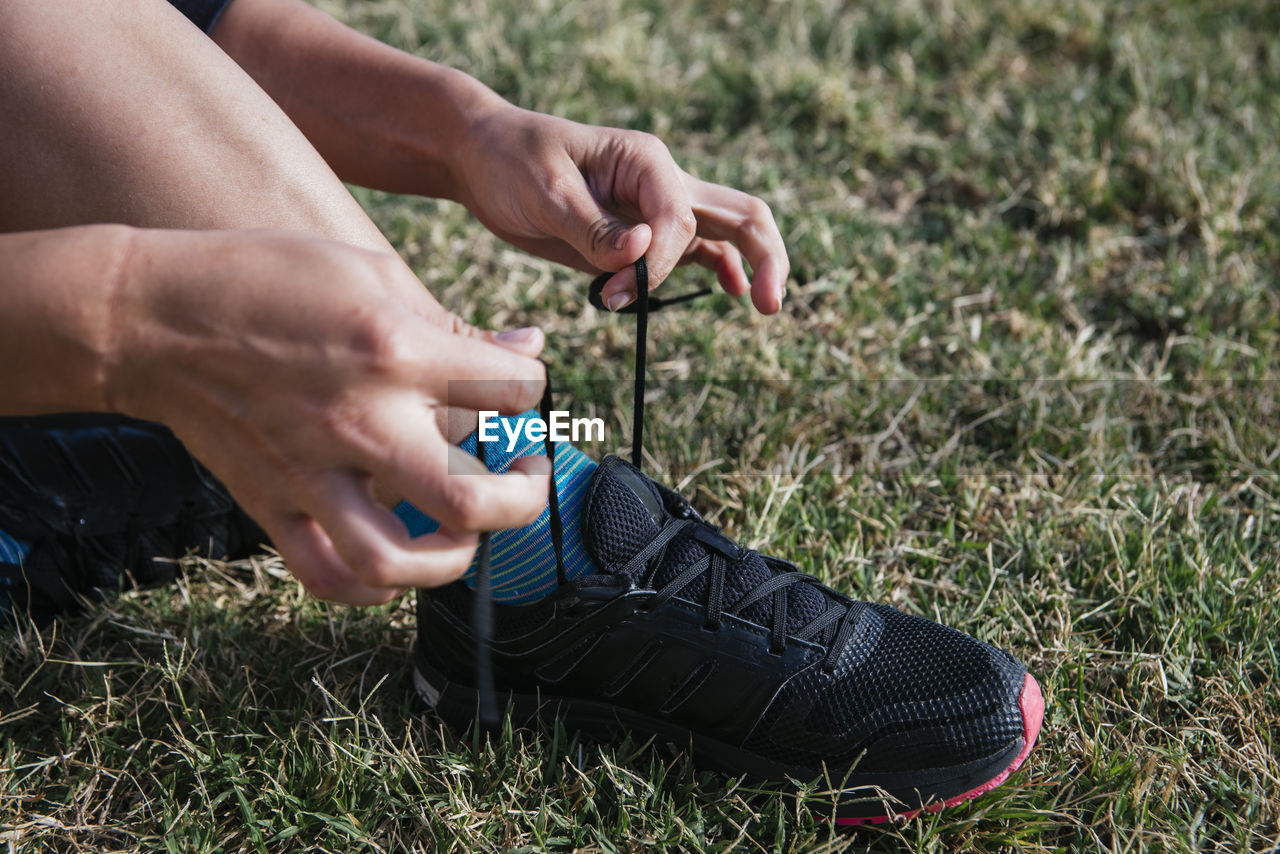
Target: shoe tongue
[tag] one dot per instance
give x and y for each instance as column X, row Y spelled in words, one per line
column 624, row 511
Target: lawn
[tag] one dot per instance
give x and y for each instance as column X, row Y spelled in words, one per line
column 1025, row 383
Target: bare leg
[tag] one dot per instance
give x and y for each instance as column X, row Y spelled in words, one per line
column 126, row 113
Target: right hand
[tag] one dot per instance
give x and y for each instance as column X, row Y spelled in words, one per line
column 303, row 373
column 598, row 198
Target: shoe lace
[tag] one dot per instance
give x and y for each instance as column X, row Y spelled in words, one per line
column 835, row 625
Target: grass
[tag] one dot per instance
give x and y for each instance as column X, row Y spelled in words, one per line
column 1025, row 384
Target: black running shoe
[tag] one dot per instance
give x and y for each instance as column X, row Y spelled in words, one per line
column 105, row 502
column 753, row 665
column 756, row 667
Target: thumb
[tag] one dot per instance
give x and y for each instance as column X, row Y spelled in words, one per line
column 525, row 341
column 605, row 241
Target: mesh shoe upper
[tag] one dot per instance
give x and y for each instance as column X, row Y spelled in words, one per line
column 920, row 694
column 619, row 525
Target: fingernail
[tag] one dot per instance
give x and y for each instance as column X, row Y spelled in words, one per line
column 620, row 239
column 619, row 301
column 517, row 336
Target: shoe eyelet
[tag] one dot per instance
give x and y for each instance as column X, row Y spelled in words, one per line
column 712, row 627
column 777, row 652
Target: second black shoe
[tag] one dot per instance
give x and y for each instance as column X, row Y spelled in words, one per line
column 106, row 501
column 756, row 667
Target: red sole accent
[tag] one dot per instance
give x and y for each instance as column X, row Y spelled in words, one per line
column 1031, row 702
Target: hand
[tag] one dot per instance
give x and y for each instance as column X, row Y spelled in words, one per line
column 304, row 373
column 598, row 198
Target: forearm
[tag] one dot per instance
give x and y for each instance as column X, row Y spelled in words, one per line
column 588, row 197
column 305, row 373
column 380, row 117
column 56, row 293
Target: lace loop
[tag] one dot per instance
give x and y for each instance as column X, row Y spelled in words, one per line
column 595, row 295
column 643, row 305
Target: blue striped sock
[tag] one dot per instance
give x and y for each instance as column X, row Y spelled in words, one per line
column 12, row 551
column 522, row 560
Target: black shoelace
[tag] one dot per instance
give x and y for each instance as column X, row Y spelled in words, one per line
column 643, row 304
column 835, row 625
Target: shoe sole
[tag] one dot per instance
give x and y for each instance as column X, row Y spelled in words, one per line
column 457, row 704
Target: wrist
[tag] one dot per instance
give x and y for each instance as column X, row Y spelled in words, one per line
column 56, row 340
column 153, row 299
column 129, row 273
column 459, row 109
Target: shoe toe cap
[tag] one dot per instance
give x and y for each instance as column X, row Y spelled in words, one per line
column 907, row 693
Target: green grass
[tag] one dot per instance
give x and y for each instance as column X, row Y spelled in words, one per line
column 1025, row 384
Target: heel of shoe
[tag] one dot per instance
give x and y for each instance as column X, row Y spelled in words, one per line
column 429, row 693
column 456, row 704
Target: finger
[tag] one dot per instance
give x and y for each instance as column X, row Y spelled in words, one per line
column 526, row 341
column 309, row 556
column 658, row 189
column 724, row 260
column 746, row 222
column 472, row 373
column 455, row 489
column 373, row 542
column 769, row 284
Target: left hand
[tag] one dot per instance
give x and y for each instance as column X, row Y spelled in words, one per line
column 598, row 198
